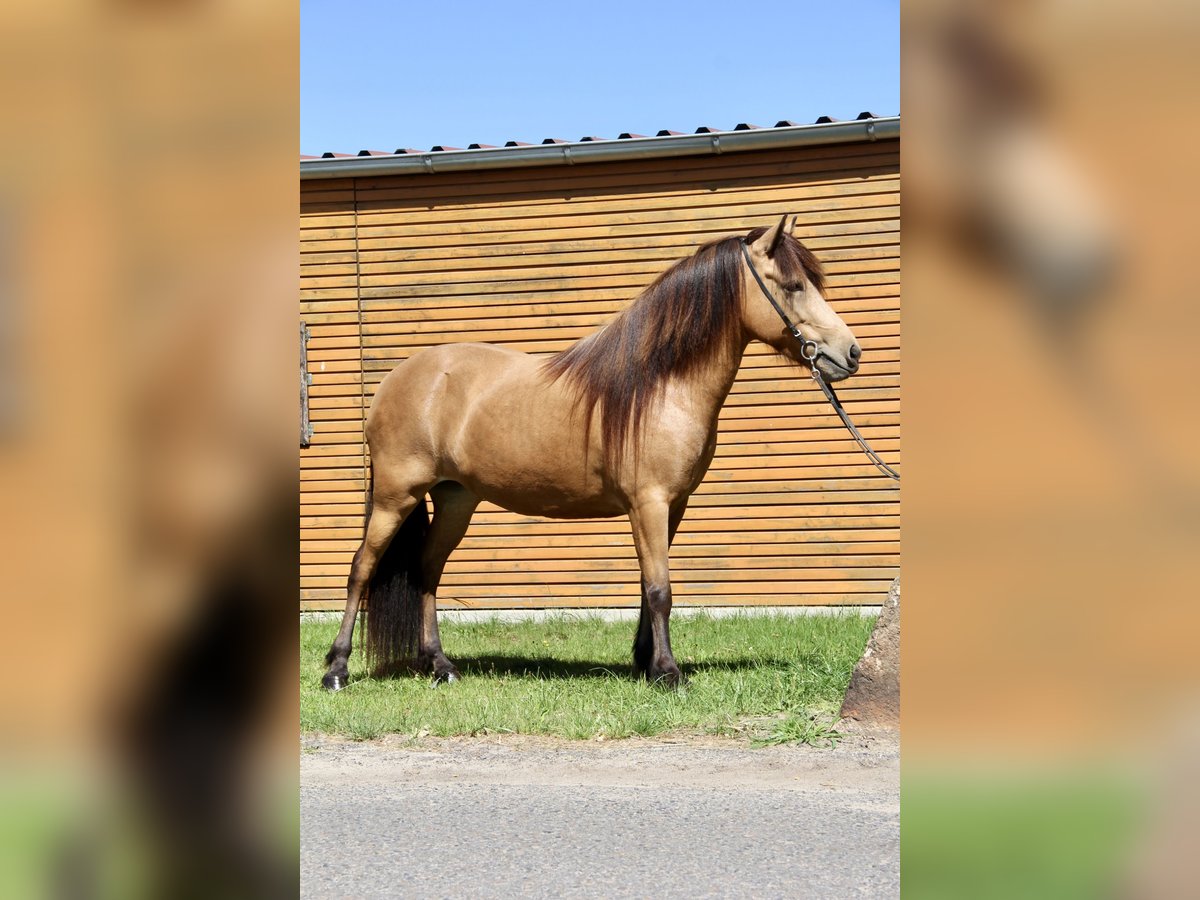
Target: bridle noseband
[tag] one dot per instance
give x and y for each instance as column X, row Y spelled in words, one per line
column 809, row 351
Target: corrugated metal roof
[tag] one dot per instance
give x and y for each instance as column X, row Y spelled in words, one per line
column 704, row 140
column 624, row 136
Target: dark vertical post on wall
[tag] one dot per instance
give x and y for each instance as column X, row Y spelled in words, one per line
column 306, row 431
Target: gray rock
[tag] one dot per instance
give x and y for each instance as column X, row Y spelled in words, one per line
column 873, row 697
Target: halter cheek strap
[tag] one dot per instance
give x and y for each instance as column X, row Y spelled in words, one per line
column 810, row 351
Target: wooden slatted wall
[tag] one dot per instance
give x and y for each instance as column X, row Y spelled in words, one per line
column 791, row 511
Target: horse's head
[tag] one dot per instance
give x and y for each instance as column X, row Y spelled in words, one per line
column 793, row 276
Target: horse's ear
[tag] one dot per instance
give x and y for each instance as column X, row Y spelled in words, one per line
column 791, row 226
column 770, row 239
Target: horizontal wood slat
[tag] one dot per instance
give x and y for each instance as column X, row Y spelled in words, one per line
column 333, row 599
column 791, row 511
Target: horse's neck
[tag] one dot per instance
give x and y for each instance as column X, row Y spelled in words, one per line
column 707, row 386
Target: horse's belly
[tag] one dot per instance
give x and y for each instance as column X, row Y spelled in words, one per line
column 550, row 504
column 538, row 487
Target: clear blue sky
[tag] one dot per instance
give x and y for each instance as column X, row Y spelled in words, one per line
column 380, row 75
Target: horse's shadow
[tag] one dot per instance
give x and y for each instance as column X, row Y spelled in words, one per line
column 548, row 668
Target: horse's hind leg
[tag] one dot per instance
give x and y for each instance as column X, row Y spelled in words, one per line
column 453, row 506
column 387, row 514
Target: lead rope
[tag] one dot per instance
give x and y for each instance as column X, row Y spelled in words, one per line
column 810, row 351
column 845, row 417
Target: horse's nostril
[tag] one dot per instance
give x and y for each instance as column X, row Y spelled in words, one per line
column 855, row 351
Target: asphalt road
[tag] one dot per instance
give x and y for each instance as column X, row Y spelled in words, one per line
column 527, row 818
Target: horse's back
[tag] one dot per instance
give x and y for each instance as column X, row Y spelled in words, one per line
column 493, row 420
column 432, row 388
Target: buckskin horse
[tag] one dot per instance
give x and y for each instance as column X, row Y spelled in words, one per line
column 624, row 422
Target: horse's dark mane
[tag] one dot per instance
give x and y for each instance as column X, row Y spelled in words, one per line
column 689, row 312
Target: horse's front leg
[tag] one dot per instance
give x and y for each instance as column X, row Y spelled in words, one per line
column 652, row 532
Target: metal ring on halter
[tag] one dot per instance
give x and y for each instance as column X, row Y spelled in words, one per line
column 805, row 346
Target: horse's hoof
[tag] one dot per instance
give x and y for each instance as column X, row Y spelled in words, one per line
column 448, row 676
column 333, row 681
column 669, row 679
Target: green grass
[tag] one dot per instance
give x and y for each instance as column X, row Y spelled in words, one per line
column 795, row 728
column 772, row 678
column 1062, row 834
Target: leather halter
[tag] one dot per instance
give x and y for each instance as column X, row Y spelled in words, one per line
column 809, row 350
column 805, row 343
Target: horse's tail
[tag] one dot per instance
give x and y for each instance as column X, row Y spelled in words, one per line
column 394, row 595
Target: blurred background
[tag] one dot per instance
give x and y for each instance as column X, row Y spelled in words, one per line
column 1052, row 494
column 148, row 458
column 148, row 410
